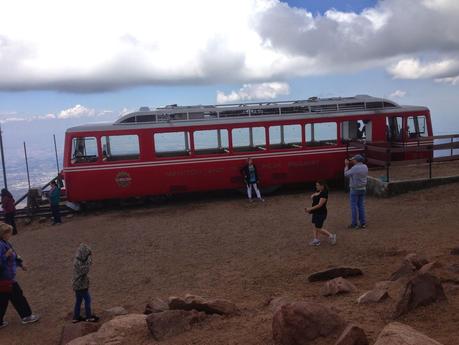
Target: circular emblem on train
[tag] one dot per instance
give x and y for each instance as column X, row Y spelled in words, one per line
column 123, row 179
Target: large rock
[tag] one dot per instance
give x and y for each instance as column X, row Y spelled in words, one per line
column 373, row 296
column 209, row 306
column 301, row 322
column 333, row 273
column 156, row 306
column 76, row 330
column 445, row 274
column 352, row 335
column 116, row 331
column 277, row 302
column 399, row 334
column 421, row 290
column 115, row 311
column 337, row 286
column 173, row 322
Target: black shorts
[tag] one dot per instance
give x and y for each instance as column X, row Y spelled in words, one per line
column 318, row 219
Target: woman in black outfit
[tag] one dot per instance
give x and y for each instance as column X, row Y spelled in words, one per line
column 319, row 213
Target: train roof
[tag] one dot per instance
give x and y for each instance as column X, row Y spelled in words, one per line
column 256, row 111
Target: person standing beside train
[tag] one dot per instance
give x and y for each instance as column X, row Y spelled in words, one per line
column 9, row 209
column 358, row 175
column 249, row 171
column 54, row 197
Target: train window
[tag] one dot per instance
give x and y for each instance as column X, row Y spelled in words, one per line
column 416, row 126
column 318, row 134
column 249, row 139
column 285, row 136
column 394, row 128
column 211, row 141
column 356, row 130
column 172, row 144
column 84, row 150
column 120, row 147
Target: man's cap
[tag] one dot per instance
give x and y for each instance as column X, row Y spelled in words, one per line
column 358, row 158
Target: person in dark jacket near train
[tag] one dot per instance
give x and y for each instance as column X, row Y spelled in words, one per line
column 54, row 200
column 80, row 284
column 9, row 209
column 9, row 287
column 249, row 171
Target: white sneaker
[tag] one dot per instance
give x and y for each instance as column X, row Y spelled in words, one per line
column 333, row 239
column 3, row 324
column 30, row 319
column 315, row 242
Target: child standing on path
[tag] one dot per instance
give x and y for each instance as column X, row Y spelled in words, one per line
column 319, row 213
column 249, row 171
column 81, row 266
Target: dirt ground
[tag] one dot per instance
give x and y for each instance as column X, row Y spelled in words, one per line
column 419, row 171
column 247, row 253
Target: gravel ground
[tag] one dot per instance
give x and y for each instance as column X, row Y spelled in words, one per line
column 244, row 252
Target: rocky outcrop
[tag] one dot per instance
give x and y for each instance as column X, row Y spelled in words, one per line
column 422, row 289
column 116, row 331
column 399, row 334
column 208, row 306
column 337, row 286
column 352, row 335
column 173, row 322
column 299, row 323
column 333, row 273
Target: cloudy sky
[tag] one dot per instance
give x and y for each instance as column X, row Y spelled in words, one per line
column 69, row 62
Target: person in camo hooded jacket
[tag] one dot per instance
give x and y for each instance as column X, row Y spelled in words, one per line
column 81, row 266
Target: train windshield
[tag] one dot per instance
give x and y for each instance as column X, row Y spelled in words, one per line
column 84, row 150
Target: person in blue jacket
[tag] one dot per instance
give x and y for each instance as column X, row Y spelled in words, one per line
column 9, row 287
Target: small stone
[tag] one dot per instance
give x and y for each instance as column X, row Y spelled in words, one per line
column 42, row 220
column 116, row 311
column 337, row 286
column 333, row 273
column 209, row 306
column 352, row 335
column 406, row 269
column 70, row 215
column 373, row 296
column 278, row 302
column 28, row 221
column 416, row 260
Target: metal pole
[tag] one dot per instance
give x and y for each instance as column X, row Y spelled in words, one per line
column 27, row 164
column 3, row 160
column 55, row 151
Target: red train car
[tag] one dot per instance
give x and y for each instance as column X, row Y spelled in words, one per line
column 179, row 149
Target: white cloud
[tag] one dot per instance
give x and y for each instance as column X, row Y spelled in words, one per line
column 12, row 119
column 415, row 69
column 251, row 92
column 398, row 94
column 76, row 112
column 165, row 42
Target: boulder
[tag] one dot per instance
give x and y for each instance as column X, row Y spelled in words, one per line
column 416, row 260
column 277, row 302
column 373, row 296
column 299, row 323
column 156, row 306
column 399, row 334
column 337, row 286
column 115, row 331
column 209, row 306
column 173, row 322
column 352, row 335
column 421, row 290
column 383, row 285
column 115, row 311
column 333, row 273
column 445, row 274
column 72, row 331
